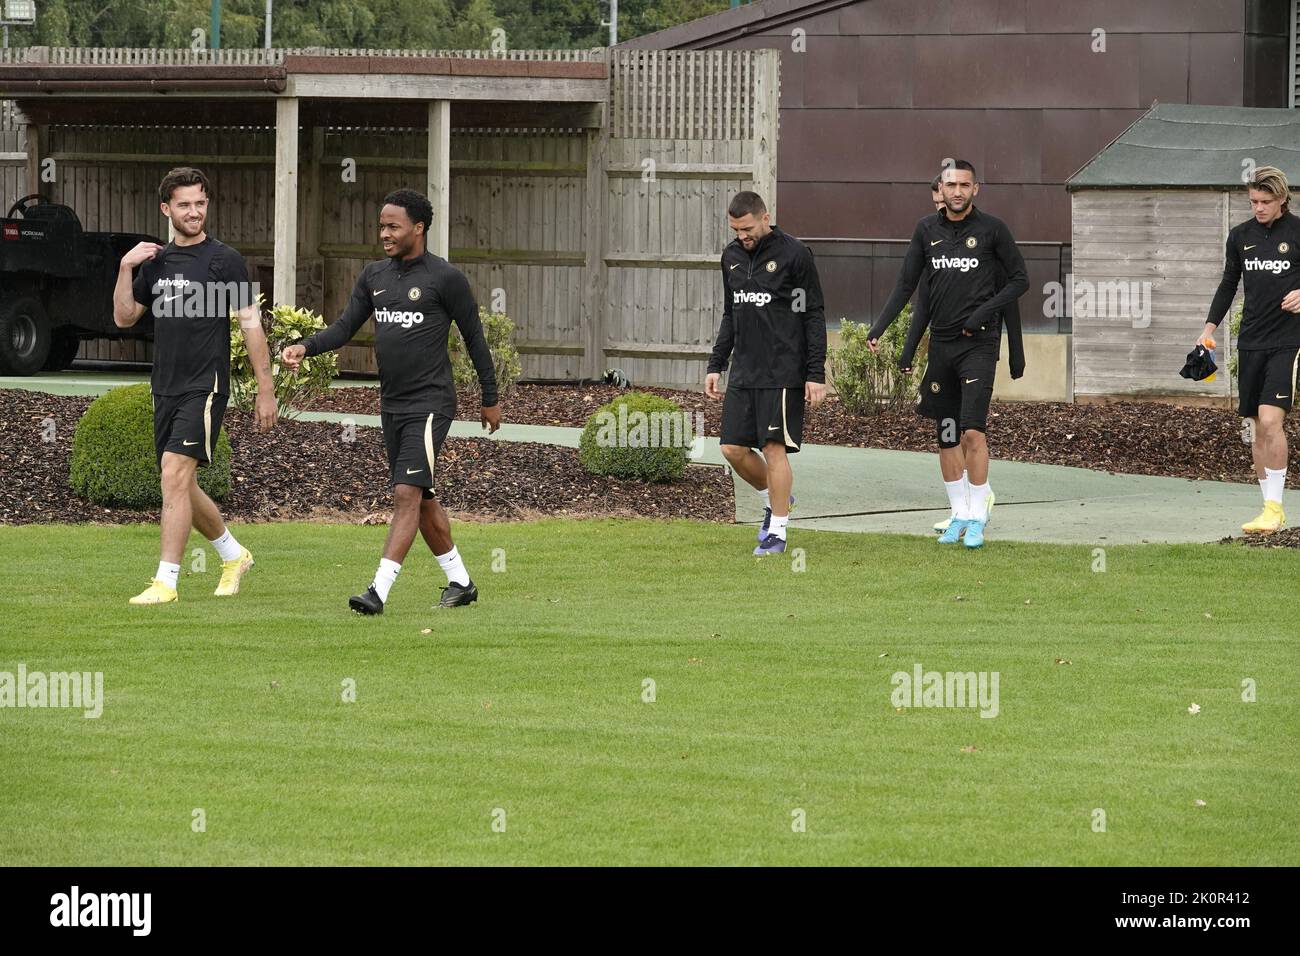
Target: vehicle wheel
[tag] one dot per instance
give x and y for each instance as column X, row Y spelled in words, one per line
column 64, row 345
column 24, row 336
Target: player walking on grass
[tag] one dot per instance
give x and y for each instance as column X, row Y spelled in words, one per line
column 191, row 285
column 973, row 275
column 774, row 334
column 414, row 297
column 1266, row 248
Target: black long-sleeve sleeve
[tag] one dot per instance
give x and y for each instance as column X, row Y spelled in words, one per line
column 341, row 331
column 458, row 299
column 1017, row 280
column 908, row 279
column 814, row 319
column 721, row 354
column 916, row 329
column 1015, row 339
column 1227, row 289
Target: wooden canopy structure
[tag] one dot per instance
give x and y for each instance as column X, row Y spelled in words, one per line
column 586, row 189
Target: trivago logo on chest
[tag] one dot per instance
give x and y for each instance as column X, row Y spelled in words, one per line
column 752, row 298
column 1275, row 266
column 964, row 263
column 404, row 319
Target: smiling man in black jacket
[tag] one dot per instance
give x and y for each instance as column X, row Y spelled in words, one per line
column 414, row 297
column 973, row 274
column 774, row 334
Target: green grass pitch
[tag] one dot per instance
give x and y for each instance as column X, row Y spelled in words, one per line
column 772, row 695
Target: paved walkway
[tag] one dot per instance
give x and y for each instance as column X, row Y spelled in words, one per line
column 858, row 489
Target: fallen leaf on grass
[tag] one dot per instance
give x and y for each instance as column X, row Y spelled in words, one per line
column 427, row 630
column 694, row 660
column 1194, row 709
column 1198, row 803
column 969, row 749
column 1062, row 660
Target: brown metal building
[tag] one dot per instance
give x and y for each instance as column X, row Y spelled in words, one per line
column 879, row 92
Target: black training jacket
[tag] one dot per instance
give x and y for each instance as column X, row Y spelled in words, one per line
column 1270, row 258
column 973, row 274
column 414, row 302
column 773, row 318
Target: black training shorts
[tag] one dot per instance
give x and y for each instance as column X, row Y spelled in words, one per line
column 752, row 417
column 412, row 443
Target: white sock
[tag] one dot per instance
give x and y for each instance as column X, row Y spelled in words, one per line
column 454, row 567
column 979, row 502
column 956, row 496
column 1263, row 486
column 385, row 577
column 777, row 527
column 1273, row 483
column 168, row 574
column 227, row 546
column 767, row 499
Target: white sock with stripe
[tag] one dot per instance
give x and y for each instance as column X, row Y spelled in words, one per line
column 453, row 567
column 227, row 547
column 385, row 577
column 979, row 502
column 168, row 574
column 1273, row 484
column 956, row 496
column 777, row 527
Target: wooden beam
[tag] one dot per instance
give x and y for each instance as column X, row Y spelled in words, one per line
column 685, row 170
column 547, row 347
column 505, row 257
column 596, row 279
column 767, row 120
column 506, row 88
column 657, row 351
column 439, row 177
column 35, row 150
column 286, row 201
column 663, row 260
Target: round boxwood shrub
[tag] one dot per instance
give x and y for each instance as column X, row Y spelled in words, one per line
column 637, row 436
column 113, row 457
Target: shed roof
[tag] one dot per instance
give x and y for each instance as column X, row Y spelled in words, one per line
column 1179, row 145
column 735, row 22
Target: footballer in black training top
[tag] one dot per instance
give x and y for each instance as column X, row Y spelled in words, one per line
column 973, row 275
column 414, row 297
column 1266, row 249
column 773, row 332
column 192, row 285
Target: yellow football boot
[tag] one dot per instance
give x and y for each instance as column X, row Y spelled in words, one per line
column 155, row 593
column 1271, row 519
column 232, row 571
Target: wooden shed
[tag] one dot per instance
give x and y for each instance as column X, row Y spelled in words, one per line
column 583, row 192
column 1150, row 216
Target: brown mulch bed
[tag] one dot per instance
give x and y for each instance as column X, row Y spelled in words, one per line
column 1288, row 538
column 304, row 470
column 1139, row 438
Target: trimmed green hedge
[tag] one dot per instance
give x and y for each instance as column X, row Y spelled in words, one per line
column 113, row 458
column 637, row 436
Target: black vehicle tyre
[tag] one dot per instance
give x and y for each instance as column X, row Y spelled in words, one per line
column 24, row 336
column 64, row 344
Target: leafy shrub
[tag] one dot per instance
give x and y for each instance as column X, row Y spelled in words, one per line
column 499, row 331
column 284, row 325
column 868, row 383
column 113, row 457
column 637, row 436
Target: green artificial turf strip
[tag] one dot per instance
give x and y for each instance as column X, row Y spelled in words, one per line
column 773, row 693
